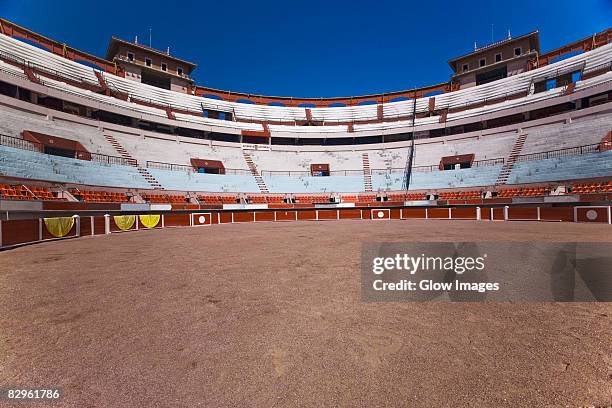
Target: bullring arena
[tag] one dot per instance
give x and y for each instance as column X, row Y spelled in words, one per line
column 167, row 244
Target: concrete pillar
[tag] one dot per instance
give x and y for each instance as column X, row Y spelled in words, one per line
column 77, row 221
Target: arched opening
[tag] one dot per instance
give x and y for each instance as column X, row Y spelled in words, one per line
column 276, row 104
column 307, row 105
column 337, row 105
column 364, row 103
column 247, row 101
column 399, row 99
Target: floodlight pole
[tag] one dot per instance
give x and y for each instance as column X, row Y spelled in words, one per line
column 408, row 169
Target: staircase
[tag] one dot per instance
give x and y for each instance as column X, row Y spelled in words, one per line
column 253, row 168
column 504, row 173
column 367, row 173
column 133, row 162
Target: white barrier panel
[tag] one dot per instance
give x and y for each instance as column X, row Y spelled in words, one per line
column 201, row 219
column 245, row 206
column 381, row 214
column 161, row 207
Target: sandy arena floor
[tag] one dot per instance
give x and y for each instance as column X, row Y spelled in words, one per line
column 270, row 315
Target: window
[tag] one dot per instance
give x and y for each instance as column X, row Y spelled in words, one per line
column 179, row 71
column 483, row 62
column 517, row 51
column 148, row 62
column 491, row 75
column 130, row 56
column 465, row 67
column 164, row 67
column 498, row 57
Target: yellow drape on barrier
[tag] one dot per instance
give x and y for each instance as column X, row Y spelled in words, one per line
column 149, row 220
column 59, row 226
column 125, row 222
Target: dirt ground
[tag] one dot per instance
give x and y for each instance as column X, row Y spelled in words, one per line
column 270, row 315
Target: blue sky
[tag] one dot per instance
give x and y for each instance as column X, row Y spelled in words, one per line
column 311, row 48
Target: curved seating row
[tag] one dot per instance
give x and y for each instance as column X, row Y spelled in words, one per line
column 494, row 92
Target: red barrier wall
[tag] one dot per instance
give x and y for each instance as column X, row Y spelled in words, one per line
column 515, row 213
column 413, row 213
column 497, row 201
column 264, row 216
column 99, row 225
column 287, row 215
column 176, row 220
column 328, row 214
column 437, row 213
column 468, row 213
column 74, row 206
column 225, row 217
column 350, row 214
column 19, row 231
column 592, row 214
column 307, row 215
column 498, row 214
column 557, row 214
column 15, row 232
column 86, row 226
column 244, row 217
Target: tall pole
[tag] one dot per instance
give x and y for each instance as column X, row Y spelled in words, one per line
column 408, row 169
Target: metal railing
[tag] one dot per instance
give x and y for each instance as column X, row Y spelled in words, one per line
column 570, row 151
column 553, row 154
column 305, row 173
column 19, row 143
column 488, row 162
column 106, row 159
column 169, row 166
column 190, row 169
column 292, row 173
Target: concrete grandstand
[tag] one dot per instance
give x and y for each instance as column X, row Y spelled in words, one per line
column 521, row 131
